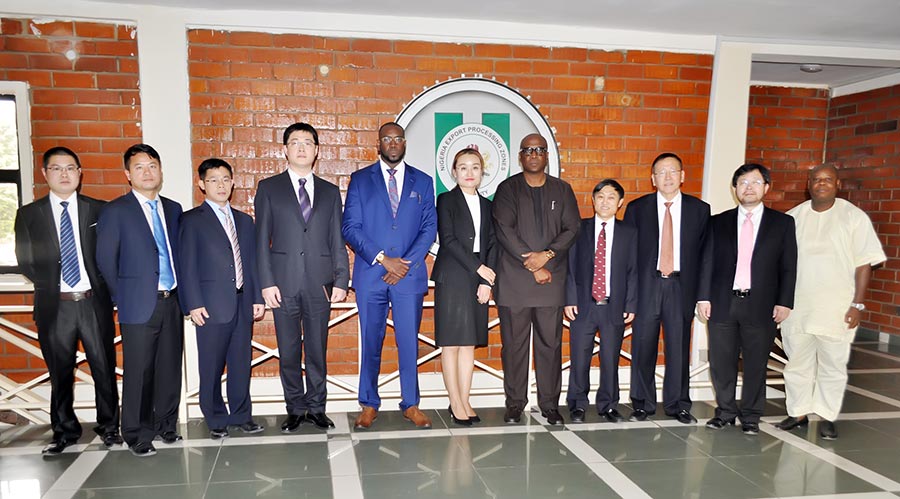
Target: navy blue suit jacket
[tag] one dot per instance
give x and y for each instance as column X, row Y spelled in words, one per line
column 370, row 227
column 623, row 277
column 207, row 277
column 127, row 255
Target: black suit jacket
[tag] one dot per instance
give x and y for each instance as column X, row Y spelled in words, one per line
column 623, row 277
column 37, row 250
column 294, row 254
column 207, row 276
column 695, row 262
column 457, row 237
column 773, row 269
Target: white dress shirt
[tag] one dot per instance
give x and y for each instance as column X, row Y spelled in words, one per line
column 474, row 203
column 162, row 216
column 84, row 283
column 295, row 181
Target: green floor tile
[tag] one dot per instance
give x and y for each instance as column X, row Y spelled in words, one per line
column 394, row 420
column 424, row 485
column 405, row 455
column 518, row 450
column 697, row 478
column 25, row 476
column 272, row 461
column 191, row 491
column 168, row 467
column 558, row 480
column 881, row 461
column 729, row 441
column 303, row 488
column 639, row 444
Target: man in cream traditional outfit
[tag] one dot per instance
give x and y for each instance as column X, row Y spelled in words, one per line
column 837, row 247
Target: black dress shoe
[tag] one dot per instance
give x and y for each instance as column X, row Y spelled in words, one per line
column 320, row 420
column 790, row 422
column 718, row 423
column 828, row 431
column 169, row 437
column 456, row 420
column 56, row 447
column 613, row 416
column 250, row 427
column 553, row 417
column 751, row 428
column 143, row 449
column 292, row 422
column 512, row 415
column 475, row 419
column 218, row 433
column 684, row 417
column 638, row 415
column 111, row 438
column 577, row 415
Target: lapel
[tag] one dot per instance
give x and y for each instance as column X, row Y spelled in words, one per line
column 765, row 227
column 212, row 220
column 137, row 213
column 48, row 222
column 409, row 179
column 379, row 186
column 731, row 232
column 485, row 225
column 321, row 196
column 83, row 217
column 171, row 223
column 653, row 214
column 285, row 189
column 588, row 242
column 465, row 216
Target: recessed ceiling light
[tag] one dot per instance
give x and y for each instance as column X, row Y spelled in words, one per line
column 811, row 68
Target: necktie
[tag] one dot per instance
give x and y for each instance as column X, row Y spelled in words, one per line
column 235, row 248
column 598, row 290
column 305, row 206
column 745, row 254
column 166, row 275
column 71, row 272
column 667, row 248
column 392, row 191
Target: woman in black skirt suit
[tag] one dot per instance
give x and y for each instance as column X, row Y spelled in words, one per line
column 463, row 275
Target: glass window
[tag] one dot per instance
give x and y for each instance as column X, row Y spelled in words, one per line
column 15, row 166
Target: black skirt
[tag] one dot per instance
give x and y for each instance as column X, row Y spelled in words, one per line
column 458, row 317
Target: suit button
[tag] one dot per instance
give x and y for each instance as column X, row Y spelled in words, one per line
column 304, row 230
column 157, row 272
column 302, row 253
column 394, row 227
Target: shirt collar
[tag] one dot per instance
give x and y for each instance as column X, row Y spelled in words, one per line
column 757, row 211
column 295, row 178
column 660, row 200
column 401, row 167
column 216, row 208
column 55, row 200
column 143, row 199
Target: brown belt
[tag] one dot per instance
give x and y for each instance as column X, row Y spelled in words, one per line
column 75, row 295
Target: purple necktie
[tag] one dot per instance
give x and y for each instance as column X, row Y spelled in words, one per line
column 392, row 191
column 305, row 206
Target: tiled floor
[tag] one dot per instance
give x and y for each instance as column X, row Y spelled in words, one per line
column 659, row 458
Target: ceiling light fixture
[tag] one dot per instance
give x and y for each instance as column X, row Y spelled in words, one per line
column 811, row 68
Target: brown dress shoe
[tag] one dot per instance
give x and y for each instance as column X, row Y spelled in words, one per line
column 366, row 417
column 417, row 417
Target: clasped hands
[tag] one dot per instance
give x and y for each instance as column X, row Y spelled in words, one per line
column 534, row 263
column 396, row 268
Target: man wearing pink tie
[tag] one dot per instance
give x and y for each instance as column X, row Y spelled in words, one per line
column 754, row 269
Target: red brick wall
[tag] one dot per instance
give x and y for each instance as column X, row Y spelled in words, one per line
column 864, row 142
column 90, row 104
column 247, row 87
column 786, row 133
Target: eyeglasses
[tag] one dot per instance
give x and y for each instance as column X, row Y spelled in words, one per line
column 218, row 181
column 393, row 139
column 528, row 151
column 748, row 183
column 666, row 173
column 58, row 170
column 305, row 143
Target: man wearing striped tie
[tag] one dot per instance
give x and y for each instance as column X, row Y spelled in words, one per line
column 137, row 253
column 55, row 241
column 217, row 246
column 303, row 269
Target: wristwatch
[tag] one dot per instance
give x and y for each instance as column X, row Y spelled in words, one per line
column 550, row 254
column 379, row 257
column 858, row 306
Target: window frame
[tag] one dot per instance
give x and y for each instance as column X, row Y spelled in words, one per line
column 19, row 91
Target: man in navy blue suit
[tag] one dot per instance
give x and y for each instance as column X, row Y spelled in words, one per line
column 390, row 222
column 601, row 295
column 219, row 288
column 137, row 253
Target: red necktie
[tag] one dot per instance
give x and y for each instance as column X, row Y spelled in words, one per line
column 598, row 290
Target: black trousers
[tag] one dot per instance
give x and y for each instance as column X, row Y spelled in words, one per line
column 582, row 330
column 219, row 345
column 151, row 384
column 515, row 329
column 78, row 320
column 740, row 336
column 310, row 310
column 668, row 311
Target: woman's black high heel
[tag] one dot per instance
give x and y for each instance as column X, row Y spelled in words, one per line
column 461, row 422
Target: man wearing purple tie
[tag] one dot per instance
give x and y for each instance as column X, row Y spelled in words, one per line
column 303, row 268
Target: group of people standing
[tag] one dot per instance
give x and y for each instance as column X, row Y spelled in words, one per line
column 529, row 249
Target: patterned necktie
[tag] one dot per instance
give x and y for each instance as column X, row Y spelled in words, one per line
column 745, row 254
column 166, row 275
column 305, row 205
column 235, row 248
column 392, row 191
column 71, row 272
column 598, row 291
column 667, row 248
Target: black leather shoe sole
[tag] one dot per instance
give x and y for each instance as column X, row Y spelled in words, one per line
column 577, row 416
column 218, row 433
column 291, row 424
column 750, row 428
column 613, row 416
column 57, row 447
column 789, row 423
column 512, row 415
column 111, row 439
column 144, row 449
column 718, row 423
column 320, row 420
column 638, row 415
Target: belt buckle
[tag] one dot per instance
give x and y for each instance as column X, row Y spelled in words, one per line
column 165, row 294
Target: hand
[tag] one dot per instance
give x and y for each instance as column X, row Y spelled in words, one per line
column 704, row 308
column 338, row 295
column 199, row 316
column 259, row 310
column 483, row 295
column 543, row 276
column 535, row 260
column 628, row 317
column 391, row 279
column 396, row 265
column 487, row 274
column 272, row 296
column 570, row 312
column 781, row 313
column 852, row 317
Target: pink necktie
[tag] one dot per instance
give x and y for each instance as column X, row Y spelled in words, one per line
column 745, row 254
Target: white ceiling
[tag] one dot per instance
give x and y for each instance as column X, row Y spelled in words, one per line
column 871, row 23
